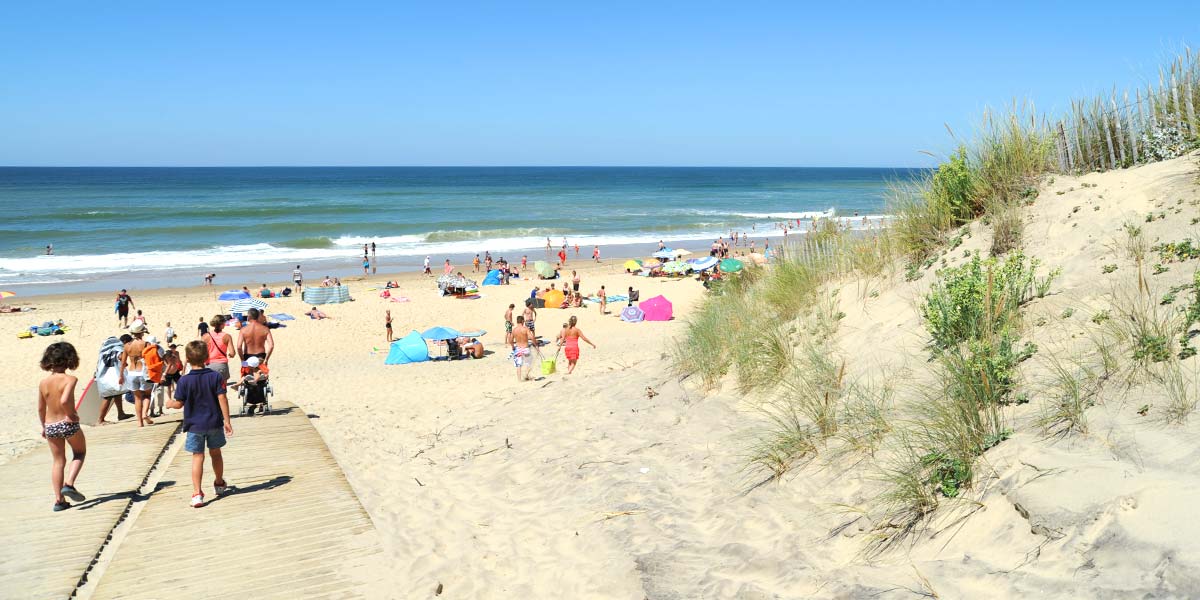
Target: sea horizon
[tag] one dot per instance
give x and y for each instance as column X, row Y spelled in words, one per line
column 173, row 224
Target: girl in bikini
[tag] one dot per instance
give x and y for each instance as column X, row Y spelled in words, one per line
column 60, row 422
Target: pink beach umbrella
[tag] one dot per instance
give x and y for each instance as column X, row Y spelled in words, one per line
column 657, row 308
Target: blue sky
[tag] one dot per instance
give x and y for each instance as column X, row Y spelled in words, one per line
column 556, row 83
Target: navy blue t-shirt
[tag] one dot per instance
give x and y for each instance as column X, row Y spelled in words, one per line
column 198, row 391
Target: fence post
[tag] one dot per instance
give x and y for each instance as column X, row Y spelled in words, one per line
column 1064, row 151
column 1175, row 100
column 1116, row 120
column 1132, row 126
column 1189, row 82
column 1112, row 155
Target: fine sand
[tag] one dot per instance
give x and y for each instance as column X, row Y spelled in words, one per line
column 623, row 482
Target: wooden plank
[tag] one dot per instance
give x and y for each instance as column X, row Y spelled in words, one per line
column 45, row 553
column 292, row 515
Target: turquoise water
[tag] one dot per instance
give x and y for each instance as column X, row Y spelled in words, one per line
column 112, row 221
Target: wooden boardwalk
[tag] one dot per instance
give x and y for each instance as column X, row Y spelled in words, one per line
column 45, row 554
column 291, row 528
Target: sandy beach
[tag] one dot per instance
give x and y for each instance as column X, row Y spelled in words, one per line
column 622, row 481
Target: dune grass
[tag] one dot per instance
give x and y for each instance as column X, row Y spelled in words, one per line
column 1182, row 391
column 1071, row 389
column 1011, row 150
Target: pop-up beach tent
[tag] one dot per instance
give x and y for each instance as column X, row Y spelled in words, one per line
column 553, row 299
column 408, row 349
column 232, row 295
column 493, row 277
column 657, row 308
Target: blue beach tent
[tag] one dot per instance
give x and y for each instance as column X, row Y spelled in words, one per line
column 493, row 277
column 232, row 295
column 408, row 349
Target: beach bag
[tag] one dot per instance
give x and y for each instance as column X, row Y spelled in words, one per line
column 154, row 363
column 549, row 365
column 107, row 382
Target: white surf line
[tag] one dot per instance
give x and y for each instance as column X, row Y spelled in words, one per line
column 134, row 506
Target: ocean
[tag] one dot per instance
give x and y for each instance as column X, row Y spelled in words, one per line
column 164, row 226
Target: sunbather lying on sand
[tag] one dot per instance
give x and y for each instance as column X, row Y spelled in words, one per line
column 316, row 314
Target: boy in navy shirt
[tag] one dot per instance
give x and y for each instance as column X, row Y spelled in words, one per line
column 201, row 395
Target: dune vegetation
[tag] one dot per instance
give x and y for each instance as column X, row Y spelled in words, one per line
column 773, row 333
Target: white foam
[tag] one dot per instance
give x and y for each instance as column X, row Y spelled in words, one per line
column 49, row 269
column 803, row 215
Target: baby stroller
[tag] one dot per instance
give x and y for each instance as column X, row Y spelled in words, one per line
column 255, row 395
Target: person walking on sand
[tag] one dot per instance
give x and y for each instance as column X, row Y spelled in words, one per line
column 475, row 263
column 133, row 374
column 576, row 249
column 596, row 253
column 427, row 271
column 603, row 300
column 571, row 339
column 124, row 303
column 508, row 325
column 255, row 338
column 521, row 337
column 388, row 325
column 298, row 279
column 530, row 316
column 201, row 395
column 60, row 422
column 220, row 347
column 574, row 281
column 110, row 360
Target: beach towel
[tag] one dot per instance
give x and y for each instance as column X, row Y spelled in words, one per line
column 282, row 317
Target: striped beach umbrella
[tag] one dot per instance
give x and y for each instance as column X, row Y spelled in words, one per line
column 246, row 304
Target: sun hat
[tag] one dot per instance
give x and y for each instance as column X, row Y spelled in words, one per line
column 252, row 362
column 151, row 340
column 138, row 328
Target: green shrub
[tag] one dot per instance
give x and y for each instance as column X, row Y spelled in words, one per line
column 1177, row 251
column 978, row 298
column 953, row 185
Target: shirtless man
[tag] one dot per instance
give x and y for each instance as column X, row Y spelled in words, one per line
column 530, row 316
column 508, row 324
column 255, row 338
column 521, row 336
column 133, row 374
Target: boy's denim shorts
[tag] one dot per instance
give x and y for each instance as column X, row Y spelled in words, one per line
column 197, row 440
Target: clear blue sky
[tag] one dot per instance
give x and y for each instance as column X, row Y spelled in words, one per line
column 555, row 83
